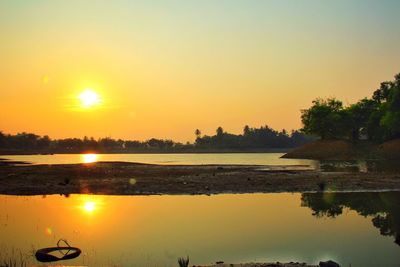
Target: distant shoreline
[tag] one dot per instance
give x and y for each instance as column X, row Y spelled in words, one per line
column 122, row 178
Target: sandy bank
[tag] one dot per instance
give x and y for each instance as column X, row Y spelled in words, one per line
column 119, row 178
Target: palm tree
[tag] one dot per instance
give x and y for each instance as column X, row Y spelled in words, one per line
column 197, row 133
column 220, row 131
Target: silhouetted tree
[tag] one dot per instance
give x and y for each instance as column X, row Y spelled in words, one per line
column 381, row 95
column 253, row 138
column 246, row 130
column 220, row 132
column 2, row 140
column 197, row 132
column 44, row 142
column 256, row 138
column 134, row 145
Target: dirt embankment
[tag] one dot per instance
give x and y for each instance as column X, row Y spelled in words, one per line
column 276, row 264
column 324, row 150
column 345, row 150
column 118, row 178
column 389, row 149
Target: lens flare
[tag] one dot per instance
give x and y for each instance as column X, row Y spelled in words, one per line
column 45, row 79
column 48, row 231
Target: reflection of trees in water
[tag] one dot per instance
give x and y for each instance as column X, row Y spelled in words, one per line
column 383, row 207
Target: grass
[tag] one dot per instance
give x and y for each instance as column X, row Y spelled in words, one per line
column 13, row 259
column 183, row 262
column 12, row 262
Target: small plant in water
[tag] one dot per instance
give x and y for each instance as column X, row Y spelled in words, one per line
column 183, row 262
column 12, row 259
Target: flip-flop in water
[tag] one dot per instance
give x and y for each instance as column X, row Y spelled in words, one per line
column 43, row 255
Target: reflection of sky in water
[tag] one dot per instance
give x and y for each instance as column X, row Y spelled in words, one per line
column 168, row 159
column 156, row 230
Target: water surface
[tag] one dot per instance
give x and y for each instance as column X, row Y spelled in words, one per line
column 272, row 159
column 358, row 229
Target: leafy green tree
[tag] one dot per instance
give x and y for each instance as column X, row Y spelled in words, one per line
column 325, row 119
column 391, row 120
column 357, row 118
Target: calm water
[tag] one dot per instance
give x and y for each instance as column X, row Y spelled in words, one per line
column 272, row 159
column 357, row 228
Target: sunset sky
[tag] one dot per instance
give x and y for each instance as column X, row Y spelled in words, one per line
column 141, row 69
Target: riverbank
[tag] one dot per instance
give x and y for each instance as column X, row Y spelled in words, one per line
column 346, row 150
column 121, row 178
column 276, row 264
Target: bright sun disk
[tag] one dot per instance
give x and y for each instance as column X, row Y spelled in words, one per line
column 89, row 98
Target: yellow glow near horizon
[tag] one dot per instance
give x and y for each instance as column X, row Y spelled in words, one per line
column 164, row 79
column 89, row 98
column 89, row 158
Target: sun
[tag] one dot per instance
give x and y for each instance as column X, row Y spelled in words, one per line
column 89, row 98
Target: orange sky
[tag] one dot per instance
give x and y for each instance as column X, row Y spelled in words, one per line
column 165, row 68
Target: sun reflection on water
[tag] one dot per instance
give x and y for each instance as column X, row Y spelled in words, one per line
column 89, row 158
column 89, row 206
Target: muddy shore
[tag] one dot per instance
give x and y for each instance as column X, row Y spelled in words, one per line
column 121, row 178
column 275, row 264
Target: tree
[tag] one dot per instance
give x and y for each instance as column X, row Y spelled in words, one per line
column 381, row 95
column 44, row 142
column 391, row 120
column 246, row 130
column 197, row 133
column 3, row 139
column 325, row 118
column 384, row 122
column 357, row 116
column 220, row 132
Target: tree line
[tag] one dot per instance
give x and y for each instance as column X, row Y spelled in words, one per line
column 252, row 138
column 376, row 119
column 262, row 138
